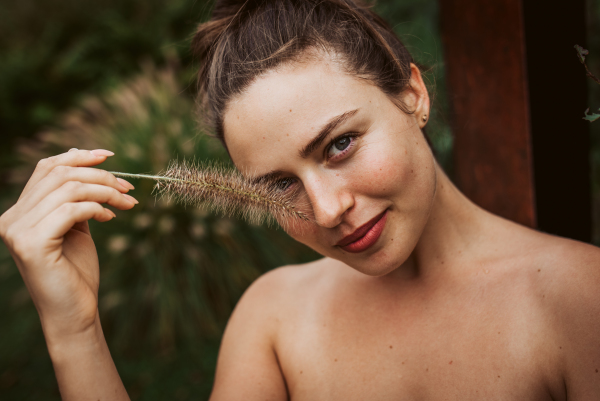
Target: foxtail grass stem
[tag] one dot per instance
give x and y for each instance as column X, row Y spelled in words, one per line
column 187, row 182
column 277, row 204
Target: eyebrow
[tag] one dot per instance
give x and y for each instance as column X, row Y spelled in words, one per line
column 324, row 132
column 312, row 145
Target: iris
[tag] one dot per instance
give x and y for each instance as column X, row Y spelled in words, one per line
column 341, row 143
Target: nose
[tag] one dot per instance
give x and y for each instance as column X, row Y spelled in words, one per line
column 329, row 199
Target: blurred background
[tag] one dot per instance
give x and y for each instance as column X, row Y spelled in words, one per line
column 118, row 74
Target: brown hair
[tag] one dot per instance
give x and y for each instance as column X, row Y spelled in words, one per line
column 245, row 39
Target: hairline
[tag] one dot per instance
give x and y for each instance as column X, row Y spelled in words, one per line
column 311, row 54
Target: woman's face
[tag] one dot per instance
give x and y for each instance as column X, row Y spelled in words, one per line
column 361, row 164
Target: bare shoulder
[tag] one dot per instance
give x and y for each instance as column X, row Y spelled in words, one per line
column 277, row 297
column 555, row 282
column 569, row 284
column 573, row 268
column 568, row 277
column 565, row 271
column 248, row 366
column 556, row 264
column 284, row 287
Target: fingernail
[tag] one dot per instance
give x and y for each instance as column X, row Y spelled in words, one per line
column 101, row 152
column 73, row 149
column 111, row 213
column 131, row 198
column 125, row 184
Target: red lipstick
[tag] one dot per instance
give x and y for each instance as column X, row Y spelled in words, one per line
column 365, row 236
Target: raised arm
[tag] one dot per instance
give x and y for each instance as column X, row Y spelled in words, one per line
column 47, row 234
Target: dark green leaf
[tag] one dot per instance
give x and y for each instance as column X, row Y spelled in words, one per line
column 581, row 53
column 591, row 117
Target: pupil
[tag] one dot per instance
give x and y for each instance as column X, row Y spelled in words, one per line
column 283, row 184
column 342, row 143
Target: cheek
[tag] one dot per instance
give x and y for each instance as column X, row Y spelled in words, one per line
column 380, row 172
column 299, row 229
column 404, row 174
column 306, row 233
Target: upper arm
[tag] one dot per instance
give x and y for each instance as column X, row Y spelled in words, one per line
column 247, row 367
column 575, row 294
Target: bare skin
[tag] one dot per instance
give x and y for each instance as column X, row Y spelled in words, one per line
column 451, row 302
column 448, row 302
column 48, row 236
column 501, row 326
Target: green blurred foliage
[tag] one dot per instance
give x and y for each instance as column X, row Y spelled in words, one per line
column 118, row 75
column 169, row 276
column 53, row 52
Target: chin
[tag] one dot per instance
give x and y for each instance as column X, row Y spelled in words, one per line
column 372, row 262
column 375, row 271
column 376, row 265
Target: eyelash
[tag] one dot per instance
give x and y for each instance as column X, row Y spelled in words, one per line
column 279, row 183
column 342, row 152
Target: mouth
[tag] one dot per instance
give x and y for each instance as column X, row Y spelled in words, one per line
column 365, row 236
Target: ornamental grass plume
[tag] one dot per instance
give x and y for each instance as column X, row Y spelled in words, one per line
column 216, row 188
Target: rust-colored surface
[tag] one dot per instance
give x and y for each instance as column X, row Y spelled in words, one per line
column 487, row 85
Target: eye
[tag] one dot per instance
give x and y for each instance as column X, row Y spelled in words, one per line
column 339, row 146
column 283, row 184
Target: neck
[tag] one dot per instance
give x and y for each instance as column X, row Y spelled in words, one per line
column 454, row 230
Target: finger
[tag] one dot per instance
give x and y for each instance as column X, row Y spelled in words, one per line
column 56, row 224
column 74, row 191
column 63, row 174
column 25, row 242
column 73, row 158
column 83, row 227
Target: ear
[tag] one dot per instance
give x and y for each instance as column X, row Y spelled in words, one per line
column 416, row 97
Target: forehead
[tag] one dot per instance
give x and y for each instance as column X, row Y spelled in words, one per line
column 283, row 109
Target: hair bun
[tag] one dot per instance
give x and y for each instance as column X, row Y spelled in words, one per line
column 246, row 38
column 229, row 8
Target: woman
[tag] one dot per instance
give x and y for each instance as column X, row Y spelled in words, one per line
column 420, row 295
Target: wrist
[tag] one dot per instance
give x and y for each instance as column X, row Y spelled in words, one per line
column 64, row 346
column 83, row 365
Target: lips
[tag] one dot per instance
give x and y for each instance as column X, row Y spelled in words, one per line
column 365, row 236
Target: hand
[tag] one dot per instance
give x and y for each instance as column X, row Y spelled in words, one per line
column 47, row 234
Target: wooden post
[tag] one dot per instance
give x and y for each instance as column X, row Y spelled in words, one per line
column 503, row 140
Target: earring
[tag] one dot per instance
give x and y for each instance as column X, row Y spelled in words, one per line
column 424, row 117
